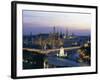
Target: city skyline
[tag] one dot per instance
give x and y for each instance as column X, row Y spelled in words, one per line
column 43, row 22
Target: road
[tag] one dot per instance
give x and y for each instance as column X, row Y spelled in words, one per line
column 39, row 51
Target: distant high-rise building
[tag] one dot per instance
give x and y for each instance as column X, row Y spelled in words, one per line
column 54, row 30
column 67, row 32
column 31, row 38
column 30, row 33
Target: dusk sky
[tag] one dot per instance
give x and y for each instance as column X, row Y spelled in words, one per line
column 43, row 22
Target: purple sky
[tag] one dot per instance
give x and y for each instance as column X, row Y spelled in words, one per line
column 43, row 22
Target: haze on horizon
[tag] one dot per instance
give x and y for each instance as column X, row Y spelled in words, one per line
column 43, row 22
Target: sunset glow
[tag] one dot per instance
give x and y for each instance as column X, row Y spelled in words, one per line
column 75, row 22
